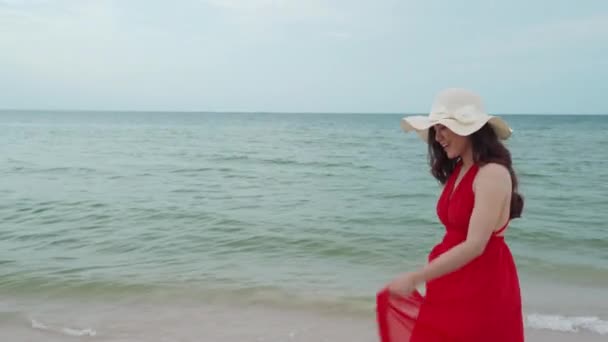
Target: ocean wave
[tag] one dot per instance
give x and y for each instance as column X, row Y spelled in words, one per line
column 557, row 239
column 51, row 170
column 322, row 165
column 25, row 284
column 229, row 158
column 278, row 244
column 571, row 324
column 532, row 175
column 193, row 170
column 75, row 332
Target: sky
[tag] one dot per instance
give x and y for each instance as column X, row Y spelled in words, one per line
column 378, row 56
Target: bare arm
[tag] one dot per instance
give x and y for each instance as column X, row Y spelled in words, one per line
column 492, row 188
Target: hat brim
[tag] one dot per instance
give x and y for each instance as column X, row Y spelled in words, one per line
column 421, row 124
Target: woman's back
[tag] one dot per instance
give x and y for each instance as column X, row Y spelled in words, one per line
column 481, row 301
column 457, row 213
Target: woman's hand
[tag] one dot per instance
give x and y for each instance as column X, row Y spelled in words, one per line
column 405, row 284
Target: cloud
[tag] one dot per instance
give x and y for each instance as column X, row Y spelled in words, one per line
column 583, row 32
column 240, row 5
column 275, row 8
column 275, row 22
column 340, row 35
column 590, row 27
column 86, row 23
column 21, row 2
column 257, row 5
column 81, row 44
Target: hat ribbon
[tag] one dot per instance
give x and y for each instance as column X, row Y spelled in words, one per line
column 467, row 114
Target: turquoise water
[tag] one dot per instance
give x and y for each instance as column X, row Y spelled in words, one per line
column 328, row 205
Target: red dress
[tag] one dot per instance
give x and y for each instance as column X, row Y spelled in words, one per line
column 479, row 302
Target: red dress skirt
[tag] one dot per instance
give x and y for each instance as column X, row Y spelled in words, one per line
column 480, row 302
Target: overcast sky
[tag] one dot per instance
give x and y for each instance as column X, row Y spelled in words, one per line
column 542, row 56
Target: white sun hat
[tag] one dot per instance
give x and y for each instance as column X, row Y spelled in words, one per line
column 460, row 110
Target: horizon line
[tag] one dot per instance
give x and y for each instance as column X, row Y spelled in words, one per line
column 265, row 112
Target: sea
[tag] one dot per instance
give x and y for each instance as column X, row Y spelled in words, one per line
column 104, row 215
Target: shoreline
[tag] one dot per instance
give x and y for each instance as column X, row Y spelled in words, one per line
column 148, row 319
column 538, row 295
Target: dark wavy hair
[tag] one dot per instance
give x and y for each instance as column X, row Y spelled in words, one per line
column 487, row 148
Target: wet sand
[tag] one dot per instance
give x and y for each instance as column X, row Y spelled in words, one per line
column 61, row 321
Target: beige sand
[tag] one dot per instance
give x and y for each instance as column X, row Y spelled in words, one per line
column 195, row 321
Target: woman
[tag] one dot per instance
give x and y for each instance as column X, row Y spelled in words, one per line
column 472, row 286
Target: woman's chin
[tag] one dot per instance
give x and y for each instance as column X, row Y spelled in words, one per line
column 451, row 155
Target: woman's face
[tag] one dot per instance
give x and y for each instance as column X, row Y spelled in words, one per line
column 453, row 144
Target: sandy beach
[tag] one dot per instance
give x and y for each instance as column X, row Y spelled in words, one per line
column 153, row 321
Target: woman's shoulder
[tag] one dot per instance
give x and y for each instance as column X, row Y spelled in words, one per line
column 494, row 170
column 494, row 176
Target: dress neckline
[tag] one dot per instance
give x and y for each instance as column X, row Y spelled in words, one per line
column 453, row 188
